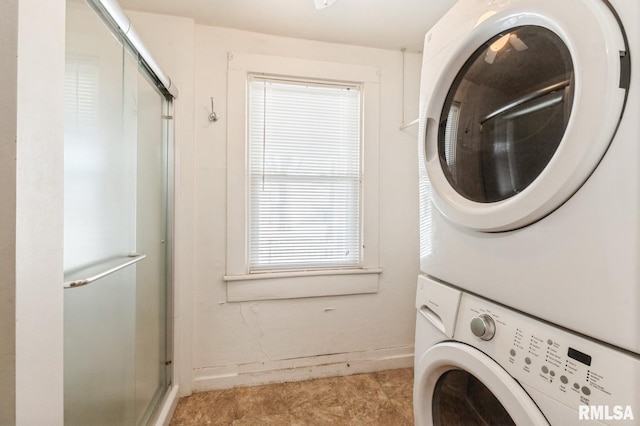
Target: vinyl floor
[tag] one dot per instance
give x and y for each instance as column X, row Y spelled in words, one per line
column 382, row 398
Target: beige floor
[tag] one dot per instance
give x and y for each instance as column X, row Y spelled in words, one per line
column 383, row 398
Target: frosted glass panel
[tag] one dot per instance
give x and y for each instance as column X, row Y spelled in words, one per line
column 99, row 159
column 99, row 351
column 99, row 225
column 115, row 205
column 151, row 232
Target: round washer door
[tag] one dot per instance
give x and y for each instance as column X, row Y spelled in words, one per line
column 521, row 100
column 457, row 384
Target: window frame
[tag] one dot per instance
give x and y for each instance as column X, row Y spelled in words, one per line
column 252, row 268
column 243, row 285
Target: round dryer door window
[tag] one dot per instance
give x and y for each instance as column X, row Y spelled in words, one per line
column 520, row 107
column 506, row 113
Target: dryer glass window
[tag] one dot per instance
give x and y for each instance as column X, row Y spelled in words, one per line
column 506, row 113
column 462, row 399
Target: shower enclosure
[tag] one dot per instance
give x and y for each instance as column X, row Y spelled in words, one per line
column 116, row 239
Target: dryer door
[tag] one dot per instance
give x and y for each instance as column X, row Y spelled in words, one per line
column 520, row 101
column 457, row 384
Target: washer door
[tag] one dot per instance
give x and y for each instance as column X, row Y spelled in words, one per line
column 457, row 384
column 520, row 107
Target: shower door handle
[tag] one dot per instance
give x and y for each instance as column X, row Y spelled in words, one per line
column 104, row 269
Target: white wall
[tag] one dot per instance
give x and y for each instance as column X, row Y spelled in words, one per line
column 8, row 74
column 243, row 343
column 39, row 213
column 257, row 342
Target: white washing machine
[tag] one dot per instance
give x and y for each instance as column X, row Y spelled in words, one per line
column 479, row 363
column 530, row 159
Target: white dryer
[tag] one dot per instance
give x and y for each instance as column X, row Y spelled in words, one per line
column 530, row 159
column 479, row 363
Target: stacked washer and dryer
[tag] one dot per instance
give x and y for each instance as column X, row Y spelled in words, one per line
column 528, row 306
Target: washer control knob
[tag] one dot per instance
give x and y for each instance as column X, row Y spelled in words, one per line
column 483, row 327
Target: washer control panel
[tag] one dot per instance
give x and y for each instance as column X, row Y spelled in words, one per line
column 567, row 367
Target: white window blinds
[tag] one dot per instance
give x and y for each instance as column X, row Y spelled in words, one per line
column 305, row 175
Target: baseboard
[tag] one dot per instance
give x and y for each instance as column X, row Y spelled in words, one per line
column 297, row 369
column 167, row 407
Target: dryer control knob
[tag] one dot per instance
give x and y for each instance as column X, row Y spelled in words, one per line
column 483, row 327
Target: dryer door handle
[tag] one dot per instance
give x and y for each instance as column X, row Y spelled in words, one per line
column 430, row 139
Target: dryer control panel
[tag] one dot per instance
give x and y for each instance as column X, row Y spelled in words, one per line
column 572, row 369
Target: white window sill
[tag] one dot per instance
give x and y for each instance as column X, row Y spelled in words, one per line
column 299, row 284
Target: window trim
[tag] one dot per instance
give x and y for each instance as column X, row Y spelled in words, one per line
column 242, row 285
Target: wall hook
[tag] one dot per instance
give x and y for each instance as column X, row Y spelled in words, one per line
column 213, row 117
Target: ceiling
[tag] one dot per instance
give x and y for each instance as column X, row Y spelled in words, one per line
column 385, row 24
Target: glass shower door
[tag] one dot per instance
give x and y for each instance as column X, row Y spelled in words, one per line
column 151, row 217
column 115, row 309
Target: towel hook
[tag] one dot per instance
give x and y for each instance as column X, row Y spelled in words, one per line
column 213, row 117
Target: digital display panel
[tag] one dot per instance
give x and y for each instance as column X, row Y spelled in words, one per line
column 579, row 356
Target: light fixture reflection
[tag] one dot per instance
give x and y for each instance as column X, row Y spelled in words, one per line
column 321, row 4
column 500, row 43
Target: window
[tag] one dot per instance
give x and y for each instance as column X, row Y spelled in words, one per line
column 302, row 178
column 304, row 167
